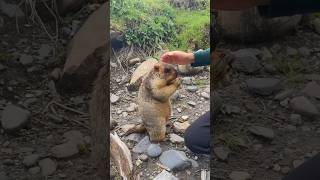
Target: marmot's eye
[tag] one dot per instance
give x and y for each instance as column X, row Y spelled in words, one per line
column 166, row 70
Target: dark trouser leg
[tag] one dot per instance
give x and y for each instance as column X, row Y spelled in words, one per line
column 197, row 135
column 309, row 170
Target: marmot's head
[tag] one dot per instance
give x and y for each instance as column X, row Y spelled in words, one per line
column 166, row 72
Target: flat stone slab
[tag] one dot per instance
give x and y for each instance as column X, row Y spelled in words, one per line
column 304, row 106
column 263, row 86
column 262, row 131
column 14, row 117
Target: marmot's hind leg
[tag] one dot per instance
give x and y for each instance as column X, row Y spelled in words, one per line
column 157, row 132
column 139, row 128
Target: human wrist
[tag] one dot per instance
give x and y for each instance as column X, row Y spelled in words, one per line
column 190, row 57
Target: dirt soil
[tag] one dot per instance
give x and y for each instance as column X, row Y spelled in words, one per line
column 264, row 158
column 28, row 86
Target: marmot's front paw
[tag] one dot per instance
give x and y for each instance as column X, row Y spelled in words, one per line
column 177, row 82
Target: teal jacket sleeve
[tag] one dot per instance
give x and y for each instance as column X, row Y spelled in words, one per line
column 278, row 8
column 201, row 58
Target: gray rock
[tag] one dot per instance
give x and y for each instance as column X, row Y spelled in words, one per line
column 229, row 109
column 175, row 160
column 1, row 22
column 180, row 127
column 35, row 68
column 316, row 25
column 205, row 95
column 312, row 89
column 276, row 48
column 191, row 103
column 11, row 10
column 70, row 148
column 297, row 163
column 3, row 176
column 283, row 95
column 263, row 86
column 291, row 51
column 132, row 107
column 276, row 167
column 239, row 175
column 247, row 52
column 136, row 137
column 143, row 157
column 187, row 80
column 284, row 103
column 290, row 127
column 262, row 131
column 269, row 68
column 65, row 150
column 30, row 160
column 285, row 170
column 34, row 170
column 304, row 51
column 304, row 106
column 74, row 136
column 174, row 138
column 8, row 162
column 2, row 67
column 142, row 146
column 296, row 119
column 44, row 51
column 246, row 60
column 154, row 150
column 165, row 175
column 221, row 153
column 48, row 167
column 192, row 88
column 56, row 73
column 194, row 163
column 14, row 117
column 114, row 98
column 25, row 59
column 266, row 54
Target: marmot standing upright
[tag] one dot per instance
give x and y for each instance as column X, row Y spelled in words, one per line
column 154, row 100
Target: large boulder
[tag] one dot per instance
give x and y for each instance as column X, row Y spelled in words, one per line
column 87, row 53
column 249, row 26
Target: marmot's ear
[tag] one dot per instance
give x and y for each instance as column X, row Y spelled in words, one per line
column 156, row 67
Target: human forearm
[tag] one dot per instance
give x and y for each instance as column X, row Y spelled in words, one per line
column 201, row 58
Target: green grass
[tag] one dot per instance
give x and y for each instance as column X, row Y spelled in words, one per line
column 191, row 27
column 291, row 68
column 233, row 141
column 155, row 23
column 200, row 82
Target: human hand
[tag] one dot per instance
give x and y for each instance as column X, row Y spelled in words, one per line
column 177, row 57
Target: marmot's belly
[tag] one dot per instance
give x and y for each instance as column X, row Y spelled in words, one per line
column 154, row 115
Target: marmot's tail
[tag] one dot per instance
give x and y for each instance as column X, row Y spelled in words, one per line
column 139, row 128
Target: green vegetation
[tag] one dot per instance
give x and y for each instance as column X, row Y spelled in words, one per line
column 157, row 24
column 234, row 142
column 200, row 82
column 291, row 68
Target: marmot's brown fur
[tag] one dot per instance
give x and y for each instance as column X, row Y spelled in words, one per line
column 154, row 100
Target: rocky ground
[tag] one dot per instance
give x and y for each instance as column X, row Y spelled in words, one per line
column 153, row 161
column 269, row 122
column 43, row 135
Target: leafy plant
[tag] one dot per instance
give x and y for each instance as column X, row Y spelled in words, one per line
column 155, row 23
column 292, row 68
column 192, row 30
column 144, row 23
